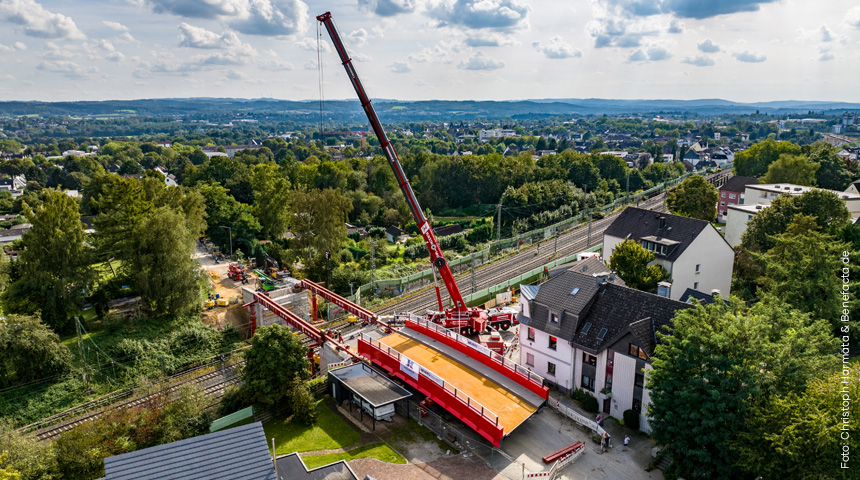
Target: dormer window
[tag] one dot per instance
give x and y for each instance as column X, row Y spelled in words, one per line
column 553, row 318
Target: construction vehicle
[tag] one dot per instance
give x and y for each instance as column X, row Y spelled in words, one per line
column 236, row 272
column 273, row 269
column 265, row 282
column 464, row 318
column 222, row 302
column 209, row 303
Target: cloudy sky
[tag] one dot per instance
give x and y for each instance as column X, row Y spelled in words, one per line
column 741, row 50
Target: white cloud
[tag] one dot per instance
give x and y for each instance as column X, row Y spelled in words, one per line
column 557, row 48
column 653, row 54
column 826, row 56
column 310, row 44
column 442, row 52
column 619, row 32
column 749, row 57
column 38, row 22
column 197, row 37
column 13, row 47
column 852, row 17
column 102, row 49
column 115, row 26
column 251, row 17
column 388, row 8
column 699, row 61
column 491, row 40
column 66, row 68
column 708, row 46
column 358, row 37
column 480, row 61
column 656, row 54
column 478, row 14
column 676, row 26
column 399, row 67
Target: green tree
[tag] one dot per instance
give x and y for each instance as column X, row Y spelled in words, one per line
column 54, row 264
column 798, row 435
column 31, row 351
column 754, row 161
column 796, row 169
column 164, row 270
column 695, row 197
column 271, row 199
column 630, row 261
column 222, row 210
column 7, row 472
column 826, row 207
column 302, row 402
column 832, row 173
column 276, row 357
column 320, row 217
column 715, row 364
column 804, row 252
column 122, row 207
column 33, row 458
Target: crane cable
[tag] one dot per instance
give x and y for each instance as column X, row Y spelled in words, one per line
column 320, row 69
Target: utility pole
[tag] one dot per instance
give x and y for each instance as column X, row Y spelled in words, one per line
column 474, row 278
column 372, row 265
column 230, row 232
column 627, row 197
column 499, row 223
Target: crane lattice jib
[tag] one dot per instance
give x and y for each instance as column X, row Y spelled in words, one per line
column 436, row 255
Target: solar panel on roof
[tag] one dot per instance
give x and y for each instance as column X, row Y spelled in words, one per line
column 601, row 333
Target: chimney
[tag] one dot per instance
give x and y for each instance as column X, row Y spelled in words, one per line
column 715, row 291
column 600, row 278
column 664, row 289
column 611, row 277
column 662, row 221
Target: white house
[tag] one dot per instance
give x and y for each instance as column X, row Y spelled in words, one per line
column 583, row 330
column 691, row 250
column 758, row 197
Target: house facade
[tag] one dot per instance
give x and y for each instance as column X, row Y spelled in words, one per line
column 693, row 252
column 583, row 331
column 732, row 193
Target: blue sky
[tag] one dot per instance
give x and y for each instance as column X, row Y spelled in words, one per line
column 742, row 50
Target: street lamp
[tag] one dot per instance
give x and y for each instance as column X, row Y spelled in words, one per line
column 230, row 232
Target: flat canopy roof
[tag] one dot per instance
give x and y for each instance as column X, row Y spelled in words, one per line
column 369, row 384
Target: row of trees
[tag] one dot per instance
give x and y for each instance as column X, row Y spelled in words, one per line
column 811, row 165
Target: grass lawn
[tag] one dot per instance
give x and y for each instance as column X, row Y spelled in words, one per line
column 402, row 434
column 379, row 451
column 329, row 431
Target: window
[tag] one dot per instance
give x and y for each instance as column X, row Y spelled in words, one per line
column 587, row 383
column 696, row 286
column 609, row 381
column 723, row 194
column 550, row 368
column 635, row 351
column 732, row 196
column 531, row 334
column 530, row 360
column 637, row 405
column 602, row 334
column 749, row 217
column 586, row 327
column 723, row 204
column 639, row 381
column 574, row 291
column 589, row 359
column 553, row 342
column 698, row 267
column 553, row 317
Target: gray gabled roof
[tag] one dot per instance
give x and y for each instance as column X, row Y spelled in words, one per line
column 232, row 454
column 636, row 224
column 292, row 467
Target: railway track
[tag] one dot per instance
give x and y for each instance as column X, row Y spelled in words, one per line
column 213, row 384
column 499, row 271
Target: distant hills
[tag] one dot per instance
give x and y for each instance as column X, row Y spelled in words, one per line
column 397, row 111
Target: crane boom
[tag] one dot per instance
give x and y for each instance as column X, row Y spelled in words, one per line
column 436, row 255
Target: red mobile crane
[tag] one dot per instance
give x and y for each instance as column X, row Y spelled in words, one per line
column 467, row 319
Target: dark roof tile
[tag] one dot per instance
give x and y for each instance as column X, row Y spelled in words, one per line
column 636, row 224
column 737, row 184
